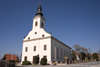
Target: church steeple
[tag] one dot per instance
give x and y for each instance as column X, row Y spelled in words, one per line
column 39, row 10
column 39, row 20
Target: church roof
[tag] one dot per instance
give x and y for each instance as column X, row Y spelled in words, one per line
column 62, row 42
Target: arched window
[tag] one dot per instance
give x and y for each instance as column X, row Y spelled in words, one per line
column 57, row 53
column 42, row 24
column 36, row 23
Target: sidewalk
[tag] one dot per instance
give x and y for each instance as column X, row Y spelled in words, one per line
column 96, row 65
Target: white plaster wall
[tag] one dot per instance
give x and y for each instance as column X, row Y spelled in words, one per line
column 39, row 49
column 60, row 46
column 46, row 52
column 38, row 43
column 40, row 31
column 50, row 52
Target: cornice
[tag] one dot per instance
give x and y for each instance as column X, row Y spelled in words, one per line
column 39, row 16
column 46, row 38
column 36, row 39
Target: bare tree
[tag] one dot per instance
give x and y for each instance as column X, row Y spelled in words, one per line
column 80, row 49
column 84, row 49
column 77, row 47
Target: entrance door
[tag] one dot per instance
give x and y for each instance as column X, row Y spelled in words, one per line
column 33, row 59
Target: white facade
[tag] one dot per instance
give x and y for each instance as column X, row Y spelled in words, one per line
column 38, row 37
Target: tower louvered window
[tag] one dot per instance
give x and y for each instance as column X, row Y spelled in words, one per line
column 42, row 24
column 36, row 23
column 26, row 49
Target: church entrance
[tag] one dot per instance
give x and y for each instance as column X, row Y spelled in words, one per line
column 34, row 59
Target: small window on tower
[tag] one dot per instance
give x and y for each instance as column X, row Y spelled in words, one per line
column 28, row 37
column 42, row 24
column 26, row 49
column 43, row 35
column 35, row 32
column 36, row 24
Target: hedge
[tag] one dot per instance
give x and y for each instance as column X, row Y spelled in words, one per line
column 43, row 61
column 26, row 63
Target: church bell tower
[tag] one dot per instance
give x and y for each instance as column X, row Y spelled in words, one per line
column 39, row 20
column 38, row 27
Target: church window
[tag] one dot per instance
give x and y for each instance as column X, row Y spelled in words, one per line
column 67, row 54
column 26, row 49
column 45, row 47
column 35, row 32
column 25, row 58
column 36, row 24
column 44, row 56
column 57, row 53
column 28, row 37
column 64, row 53
column 61, row 52
column 42, row 24
column 43, row 35
column 34, row 48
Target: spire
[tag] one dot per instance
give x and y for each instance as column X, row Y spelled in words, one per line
column 39, row 10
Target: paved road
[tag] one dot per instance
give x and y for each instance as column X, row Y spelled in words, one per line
column 89, row 64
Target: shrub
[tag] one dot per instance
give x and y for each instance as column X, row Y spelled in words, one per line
column 83, row 55
column 73, row 55
column 95, row 56
column 43, row 61
column 26, row 63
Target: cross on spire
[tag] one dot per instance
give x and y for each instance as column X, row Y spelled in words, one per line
column 39, row 3
column 39, row 10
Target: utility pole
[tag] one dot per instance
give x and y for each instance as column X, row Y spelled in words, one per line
column 89, row 51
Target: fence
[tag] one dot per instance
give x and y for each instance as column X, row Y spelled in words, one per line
column 7, row 65
column 72, row 62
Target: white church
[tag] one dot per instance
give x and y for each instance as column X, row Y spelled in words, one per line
column 39, row 42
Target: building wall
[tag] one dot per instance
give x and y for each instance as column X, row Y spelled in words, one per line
column 56, row 51
column 59, row 51
column 39, row 49
column 40, row 31
column 37, row 40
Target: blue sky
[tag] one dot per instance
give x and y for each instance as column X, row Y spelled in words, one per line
column 70, row 21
